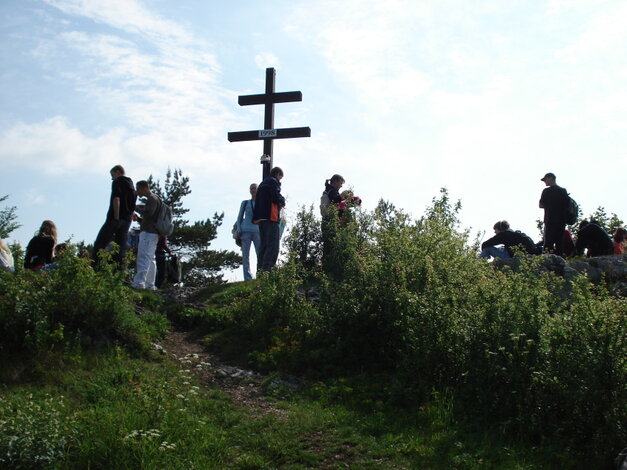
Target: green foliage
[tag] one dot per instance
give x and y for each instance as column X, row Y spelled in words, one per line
column 275, row 318
column 410, row 298
column 303, row 241
column 35, row 432
column 609, row 223
column 113, row 412
column 8, row 219
column 201, row 265
column 176, row 187
column 70, row 306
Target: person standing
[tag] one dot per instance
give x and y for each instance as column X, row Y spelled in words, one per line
column 554, row 201
column 248, row 232
column 331, row 193
column 160, row 259
column 267, row 214
column 148, row 237
column 119, row 215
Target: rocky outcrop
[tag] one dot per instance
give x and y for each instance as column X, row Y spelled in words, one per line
column 608, row 269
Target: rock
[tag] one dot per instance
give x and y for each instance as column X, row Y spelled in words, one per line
column 610, row 268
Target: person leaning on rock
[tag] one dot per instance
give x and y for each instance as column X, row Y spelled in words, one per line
column 509, row 239
column 592, row 237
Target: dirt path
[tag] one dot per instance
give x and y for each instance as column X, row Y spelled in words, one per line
column 243, row 386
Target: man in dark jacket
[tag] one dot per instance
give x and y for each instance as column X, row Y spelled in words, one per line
column 119, row 216
column 509, row 239
column 592, row 236
column 267, row 214
column 554, row 201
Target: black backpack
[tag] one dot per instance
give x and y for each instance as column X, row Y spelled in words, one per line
column 173, row 270
column 528, row 243
column 572, row 211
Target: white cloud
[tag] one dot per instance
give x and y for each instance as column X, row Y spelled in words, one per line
column 127, row 15
column 263, row 60
column 54, row 146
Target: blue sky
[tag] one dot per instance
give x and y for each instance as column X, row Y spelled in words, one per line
column 403, row 97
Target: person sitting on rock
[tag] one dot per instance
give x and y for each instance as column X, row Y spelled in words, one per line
column 509, row 239
column 618, row 240
column 592, row 237
column 6, row 257
column 40, row 249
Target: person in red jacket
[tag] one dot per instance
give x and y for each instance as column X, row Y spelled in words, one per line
column 618, row 240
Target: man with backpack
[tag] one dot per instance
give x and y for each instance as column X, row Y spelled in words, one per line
column 509, row 239
column 148, row 238
column 554, row 200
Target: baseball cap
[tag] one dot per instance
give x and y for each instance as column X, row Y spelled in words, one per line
column 548, row 175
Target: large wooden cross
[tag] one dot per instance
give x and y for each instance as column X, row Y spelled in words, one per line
column 269, row 133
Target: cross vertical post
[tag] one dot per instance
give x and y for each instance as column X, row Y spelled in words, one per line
column 269, row 133
column 268, row 122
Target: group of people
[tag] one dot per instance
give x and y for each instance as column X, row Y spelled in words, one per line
column 123, row 211
column 260, row 222
column 591, row 238
column 43, row 251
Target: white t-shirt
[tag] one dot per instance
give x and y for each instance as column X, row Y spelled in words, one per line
column 6, row 260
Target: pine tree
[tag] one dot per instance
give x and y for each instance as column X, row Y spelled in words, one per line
column 201, row 265
column 8, row 219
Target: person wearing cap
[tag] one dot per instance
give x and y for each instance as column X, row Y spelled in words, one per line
column 554, row 201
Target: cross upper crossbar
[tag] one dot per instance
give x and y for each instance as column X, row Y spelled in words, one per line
column 265, row 98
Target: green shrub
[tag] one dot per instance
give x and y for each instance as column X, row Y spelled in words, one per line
column 34, row 432
column 411, row 299
column 275, row 318
column 70, row 306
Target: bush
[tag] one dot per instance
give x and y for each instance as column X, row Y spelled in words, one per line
column 411, row 299
column 71, row 306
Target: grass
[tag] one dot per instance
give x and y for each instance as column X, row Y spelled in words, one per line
column 108, row 410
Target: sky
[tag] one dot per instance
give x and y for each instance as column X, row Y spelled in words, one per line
column 403, row 97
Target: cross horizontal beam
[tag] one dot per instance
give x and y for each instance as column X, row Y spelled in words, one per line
column 263, row 134
column 268, row 98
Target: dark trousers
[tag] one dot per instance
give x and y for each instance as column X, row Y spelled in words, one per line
column 113, row 231
column 270, row 236
column 554, row 237
column 160, row 277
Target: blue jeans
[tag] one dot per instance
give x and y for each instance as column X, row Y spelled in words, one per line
column 270, row 235
column 247, row 238
column 495, row 252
